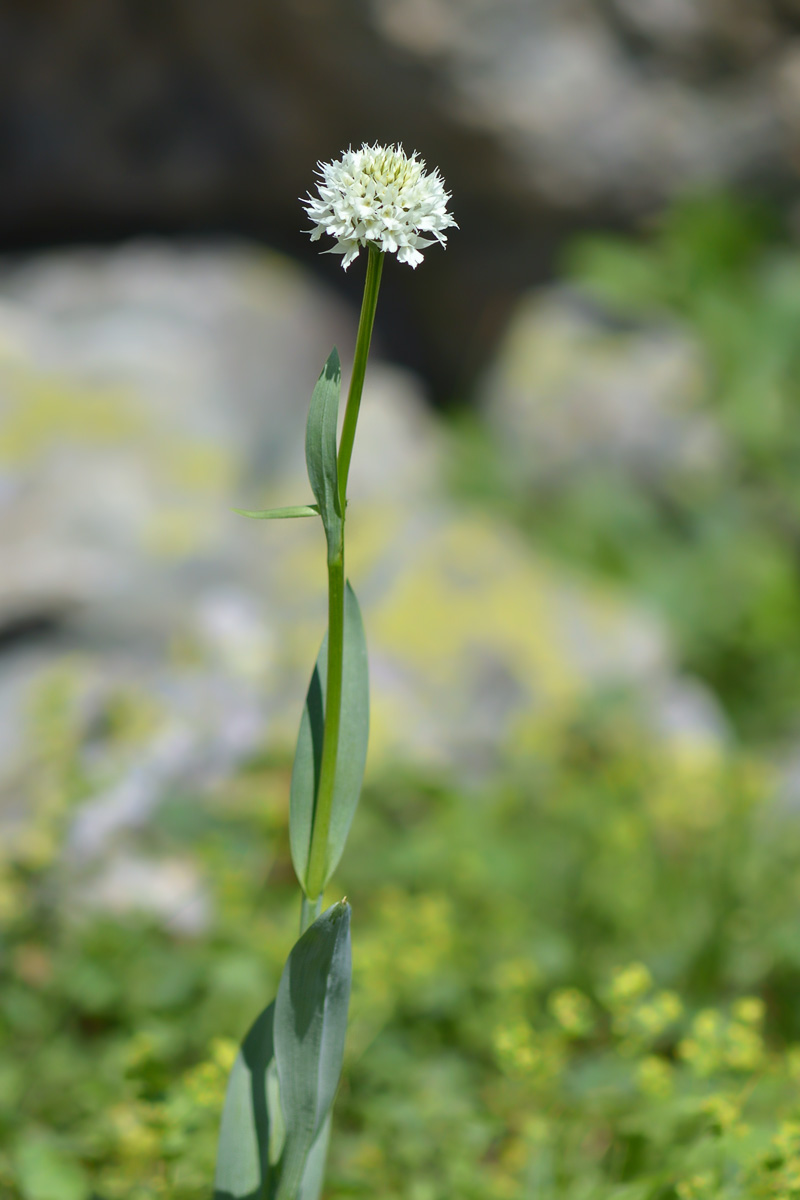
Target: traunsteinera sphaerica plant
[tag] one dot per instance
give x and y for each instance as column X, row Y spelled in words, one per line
column 277, row 1114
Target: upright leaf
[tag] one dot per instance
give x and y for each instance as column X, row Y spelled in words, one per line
column 310, row 1025
column 243, row 1169
column 314, row 1173
column 352, row 753
column 321, row 446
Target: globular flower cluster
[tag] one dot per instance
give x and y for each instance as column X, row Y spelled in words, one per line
column 378, row 196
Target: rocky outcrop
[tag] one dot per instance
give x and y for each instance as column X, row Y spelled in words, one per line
column 192, row 110
column 130, row 115
column 572, row 389
column 144, row 393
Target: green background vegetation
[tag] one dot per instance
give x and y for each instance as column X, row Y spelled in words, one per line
column 577, row 980
column 718, row 554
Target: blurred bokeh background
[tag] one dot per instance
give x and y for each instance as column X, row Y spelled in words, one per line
column 575, row 534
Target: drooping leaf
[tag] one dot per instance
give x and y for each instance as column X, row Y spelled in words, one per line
column 277, row 514
column 243, row 1158
column 352, row 753
column 321, row 446
column 310, row 1026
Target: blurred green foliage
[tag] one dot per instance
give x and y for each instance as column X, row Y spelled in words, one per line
column 718, row 554
column 580, row 981
column 576, row 982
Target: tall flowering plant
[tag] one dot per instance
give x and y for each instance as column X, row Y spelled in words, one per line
column 277, row 1114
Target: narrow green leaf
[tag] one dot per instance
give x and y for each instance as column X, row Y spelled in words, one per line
column 310, row 1026
column 352, row 755
column 321, row 446
column 243, row 1170
column 273, row 514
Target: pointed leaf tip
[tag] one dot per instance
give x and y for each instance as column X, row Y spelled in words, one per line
column 333, row 366
column 321, row 429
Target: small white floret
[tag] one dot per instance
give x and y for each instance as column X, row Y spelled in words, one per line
column 378, row 196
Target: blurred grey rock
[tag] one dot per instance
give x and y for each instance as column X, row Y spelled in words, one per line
column 683, row 710
column 117, row 111
column 401, row 447
column 568, row 390
column 144, row 393
column 118, row 118
column 472, row 636
column 585, row 119
column 208, row 725
column 168, row 890
column 142, row 390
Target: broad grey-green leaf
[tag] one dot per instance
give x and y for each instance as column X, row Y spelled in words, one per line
column 243, row 1170
column 310, row 1026
column 321, row 446
column 314, row 1173
column 352, row 753
column 277, row 514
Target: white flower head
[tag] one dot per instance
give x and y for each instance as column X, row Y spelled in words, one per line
column 378, row 196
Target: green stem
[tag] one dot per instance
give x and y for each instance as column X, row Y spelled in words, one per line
column 372, row 285
column 309, row 911
column 315, row 875
column 317, row 859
